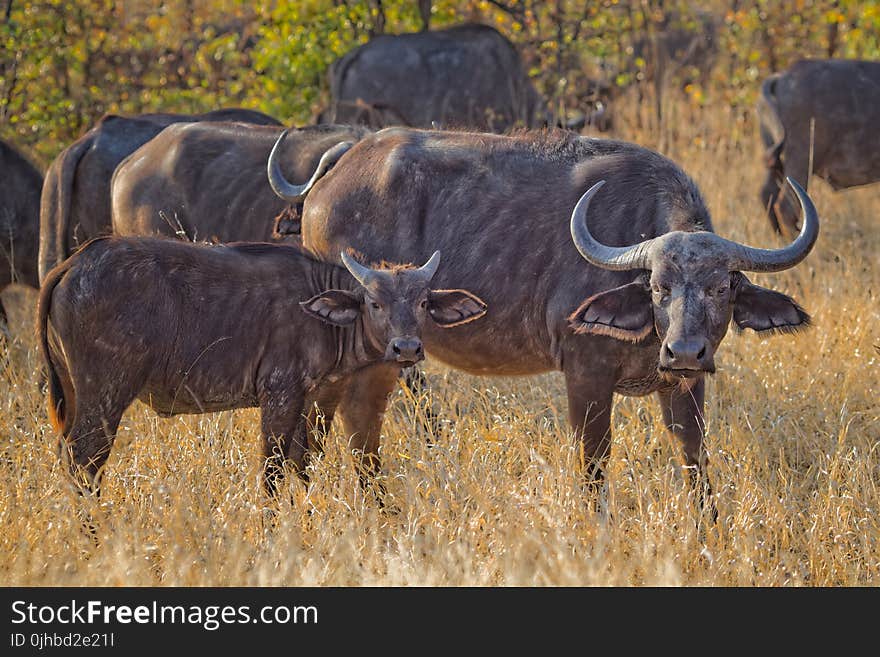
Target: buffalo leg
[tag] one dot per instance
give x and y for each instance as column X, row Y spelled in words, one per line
column 797, row 165
column 419, row 389
column 285, row 438
column 683, row 416
column 89, row 441
column 362, row 409
column 320, row 411
column 770, row 192
column 589, row 411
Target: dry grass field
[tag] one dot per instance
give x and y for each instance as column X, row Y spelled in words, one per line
column 793, row 436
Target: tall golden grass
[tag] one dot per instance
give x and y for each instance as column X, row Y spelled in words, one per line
column 793, row 437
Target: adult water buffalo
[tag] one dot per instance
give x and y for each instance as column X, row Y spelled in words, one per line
column 75, row 203
column 633, row 320
column 830, row 106
column 190, row 344
column 20, row 185
column 467, row 75
column 207, row 181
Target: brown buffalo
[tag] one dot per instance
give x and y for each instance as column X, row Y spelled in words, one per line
column 193, row 328
column 207, row 181
column 830, row 107
column 467, row 75
column 75, row 204
column 20, row 185
column 499, row 208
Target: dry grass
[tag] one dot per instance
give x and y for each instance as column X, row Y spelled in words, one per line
column 794, row 438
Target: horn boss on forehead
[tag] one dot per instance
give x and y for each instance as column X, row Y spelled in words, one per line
column 739, row 257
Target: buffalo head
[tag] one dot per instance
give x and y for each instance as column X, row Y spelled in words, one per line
column 691, row 288
column 394, row 304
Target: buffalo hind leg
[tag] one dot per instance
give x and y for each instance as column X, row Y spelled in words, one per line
column 362, row 409
column 88, row 443
column 797, row 167
column 683, row 416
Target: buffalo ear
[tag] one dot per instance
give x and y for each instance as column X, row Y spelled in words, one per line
column 337, row 307
column 454, row 307
column 766, row 311
column 624, row 313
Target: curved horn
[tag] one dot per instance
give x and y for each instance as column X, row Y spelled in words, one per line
column 748, row 258
column 295, row 193
column 363, row 275
column 615, row 258
column 428, row 270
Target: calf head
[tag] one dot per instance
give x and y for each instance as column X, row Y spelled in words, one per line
column 394, row 303
column 691, row 287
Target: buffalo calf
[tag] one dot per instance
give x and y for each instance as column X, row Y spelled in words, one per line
column 190, row 328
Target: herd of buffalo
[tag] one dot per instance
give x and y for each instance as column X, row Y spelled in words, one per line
column 219, row 261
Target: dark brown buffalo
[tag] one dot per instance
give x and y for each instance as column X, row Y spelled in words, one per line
column 207, row 181
column 75, row 204
column 467, row 75
column 831, row 106
column 20, row 185
column 192, row 328
column 647, row 320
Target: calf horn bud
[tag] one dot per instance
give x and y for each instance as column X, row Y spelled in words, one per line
column 363, row 275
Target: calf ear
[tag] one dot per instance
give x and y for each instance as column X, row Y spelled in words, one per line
column 454, row 307
column 766, row 311
column 337, row 307
column 625, row 313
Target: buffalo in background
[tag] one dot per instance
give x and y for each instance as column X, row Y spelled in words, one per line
column 463, row 76
column 20, row 184
column 75, row 203
column 207, row 181
column 826, row 111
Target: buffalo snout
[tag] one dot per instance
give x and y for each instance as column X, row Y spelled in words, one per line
column 406, row 350
column 687, row 356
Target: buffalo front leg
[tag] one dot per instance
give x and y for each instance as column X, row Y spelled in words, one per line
column 362, row 409
column 285, row 439
column 589, row 411
column 683, row 416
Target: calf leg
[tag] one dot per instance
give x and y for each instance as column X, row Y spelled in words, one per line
column 284, row 437
column 362, row 409
column 683, row 415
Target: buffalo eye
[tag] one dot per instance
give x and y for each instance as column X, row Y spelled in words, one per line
column 718, row 291
column 660, row 290
column 375, row 305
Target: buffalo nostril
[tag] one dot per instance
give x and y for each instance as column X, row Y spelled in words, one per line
column 395, row 349
column 669, row 352
column 702, row 353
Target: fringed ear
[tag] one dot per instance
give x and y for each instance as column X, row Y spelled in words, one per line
column 766, row 311
column 624, row 313
column 337, row 307
column 450, row 308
